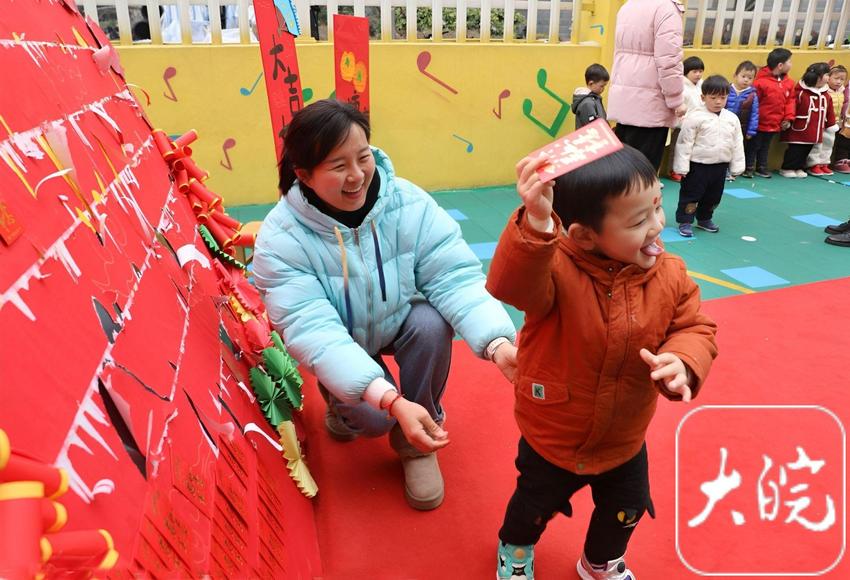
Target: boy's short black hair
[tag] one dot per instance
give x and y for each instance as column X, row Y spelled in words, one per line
column 746, row 65
column 595, row 73
column 693, row 63
column 581, row 196
column 814, row 73
column 777, row 56
column 715, row 85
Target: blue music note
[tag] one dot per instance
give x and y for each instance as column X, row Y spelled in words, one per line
column 468, row 144
column 552, row 129
column 245, row 92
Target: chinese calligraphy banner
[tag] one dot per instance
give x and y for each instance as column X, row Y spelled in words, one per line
column 351, row 60
column 593, row 141
column 280, row 65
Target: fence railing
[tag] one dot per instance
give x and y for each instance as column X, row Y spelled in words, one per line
column 798, row 24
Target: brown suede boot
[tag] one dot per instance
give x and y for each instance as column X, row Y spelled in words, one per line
column 423, row 482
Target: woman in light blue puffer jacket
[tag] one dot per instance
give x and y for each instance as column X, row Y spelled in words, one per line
column 353, row 263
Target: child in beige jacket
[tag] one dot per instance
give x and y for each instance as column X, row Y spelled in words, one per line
column 709, row 143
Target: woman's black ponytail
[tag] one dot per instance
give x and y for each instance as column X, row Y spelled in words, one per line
column 314, row 132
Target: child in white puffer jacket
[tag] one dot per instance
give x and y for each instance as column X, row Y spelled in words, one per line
column 710, row 143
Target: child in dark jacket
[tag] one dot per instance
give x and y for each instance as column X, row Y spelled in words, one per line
column 587, row 101
column 775, row 90
column 743, row 101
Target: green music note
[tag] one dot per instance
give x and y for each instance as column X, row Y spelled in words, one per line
column 553, row 129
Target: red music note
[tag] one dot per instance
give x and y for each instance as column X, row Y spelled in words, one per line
column 169, row 73
column 422, row 62
column 503, row 95
column 229, row 143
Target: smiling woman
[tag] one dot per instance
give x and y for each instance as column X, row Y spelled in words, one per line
column 355, row 263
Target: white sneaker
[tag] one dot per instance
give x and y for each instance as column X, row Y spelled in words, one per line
column 611, row 570
column 788, row 173
column 801, row 174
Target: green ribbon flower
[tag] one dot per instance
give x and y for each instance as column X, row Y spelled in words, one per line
column 216, row 250
column 278, row 385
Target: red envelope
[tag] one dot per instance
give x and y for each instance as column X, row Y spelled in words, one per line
column 593, row 141
column 10, row 227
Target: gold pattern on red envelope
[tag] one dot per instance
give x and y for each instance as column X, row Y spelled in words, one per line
column 593, row 141
column 10, row 227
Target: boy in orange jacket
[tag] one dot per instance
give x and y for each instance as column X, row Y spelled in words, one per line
column 611, row 321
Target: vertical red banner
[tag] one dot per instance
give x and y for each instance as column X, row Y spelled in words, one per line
column 351, row 60
column 280, row 65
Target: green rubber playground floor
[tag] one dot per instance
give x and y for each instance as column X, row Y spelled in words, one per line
column 771, row 231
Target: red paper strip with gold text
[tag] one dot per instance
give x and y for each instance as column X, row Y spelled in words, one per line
column 351, row 60
column 280, row 65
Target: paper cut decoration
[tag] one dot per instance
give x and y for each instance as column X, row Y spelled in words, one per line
column 31, row 543
column 295, row 461
column 351, row 60
column 139, row 414
column 593, row 141
column 287, row 17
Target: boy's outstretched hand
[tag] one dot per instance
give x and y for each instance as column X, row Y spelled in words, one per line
column 669, row 368
column 536, row 194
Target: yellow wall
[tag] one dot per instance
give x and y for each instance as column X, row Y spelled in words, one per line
column 413, row 117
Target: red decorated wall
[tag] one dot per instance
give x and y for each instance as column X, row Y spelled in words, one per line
column 118, row 355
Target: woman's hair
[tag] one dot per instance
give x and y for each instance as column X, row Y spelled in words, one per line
column 313, row 133
column 715, row 85
column 746, row 65
column 581, row 196
column 814, row 73
column 692, row 63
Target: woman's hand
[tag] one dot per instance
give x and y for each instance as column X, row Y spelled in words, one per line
column 418, row 427
column 505, row 359
column 536, row 194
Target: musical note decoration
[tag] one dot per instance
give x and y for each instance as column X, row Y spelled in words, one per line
column 551, row 130
column 167, row 75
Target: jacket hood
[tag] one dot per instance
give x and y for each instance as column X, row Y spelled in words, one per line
column 582, row 93
column 605, row 270
column 746, row 91
column 322, row 223
column 823, row 89
column 766, row 73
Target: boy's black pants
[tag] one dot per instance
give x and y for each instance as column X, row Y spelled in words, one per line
column 756, row 150
column 796, row 155
column 700, row 191
column 620, row 496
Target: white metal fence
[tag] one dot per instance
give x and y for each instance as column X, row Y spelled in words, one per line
column 796, row 24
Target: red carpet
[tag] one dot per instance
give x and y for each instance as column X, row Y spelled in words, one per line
column 786, row 347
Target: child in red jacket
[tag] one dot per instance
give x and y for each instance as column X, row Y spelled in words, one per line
column 814, row 115
column 775, row 90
